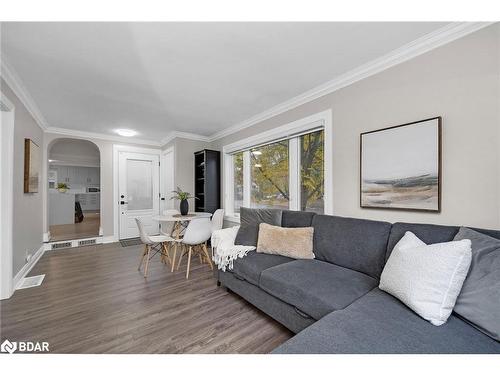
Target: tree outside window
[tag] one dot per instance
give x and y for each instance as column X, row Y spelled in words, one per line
column 270, row 174
column 312, row 177
column 269, row 169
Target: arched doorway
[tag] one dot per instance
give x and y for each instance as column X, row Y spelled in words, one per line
column 74, row 187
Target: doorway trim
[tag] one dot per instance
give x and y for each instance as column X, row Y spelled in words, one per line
column 47, row 146
column 6, row 202
column 116, row 194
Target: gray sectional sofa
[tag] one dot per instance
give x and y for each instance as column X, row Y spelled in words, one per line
column 333, row 302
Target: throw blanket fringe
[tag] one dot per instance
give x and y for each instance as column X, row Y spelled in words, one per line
column 224, row 249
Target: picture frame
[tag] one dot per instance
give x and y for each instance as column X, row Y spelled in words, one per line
column 401, row 167
column 31, row 166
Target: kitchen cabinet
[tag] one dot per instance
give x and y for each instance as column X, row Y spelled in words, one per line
column 83, row 176
column 89, row 201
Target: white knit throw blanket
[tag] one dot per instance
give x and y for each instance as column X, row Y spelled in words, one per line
column 225, row 251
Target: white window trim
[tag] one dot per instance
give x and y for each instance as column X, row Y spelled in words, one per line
column 315, row 121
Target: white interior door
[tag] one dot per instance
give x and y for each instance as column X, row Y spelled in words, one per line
column 138, row 184
column 167, row 176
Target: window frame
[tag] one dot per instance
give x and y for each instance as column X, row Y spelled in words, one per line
column 291, row 131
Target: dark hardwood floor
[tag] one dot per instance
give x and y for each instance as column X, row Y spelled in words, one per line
column 93, row 300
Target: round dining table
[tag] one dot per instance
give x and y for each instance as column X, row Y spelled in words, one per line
column 179, row 220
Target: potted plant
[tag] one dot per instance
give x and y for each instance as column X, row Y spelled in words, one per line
column 62, row 187
column 183, row 197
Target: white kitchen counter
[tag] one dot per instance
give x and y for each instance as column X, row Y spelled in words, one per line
column 61, row 207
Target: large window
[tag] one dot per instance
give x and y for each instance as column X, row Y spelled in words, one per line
column 286, row 174
column 270, row 176
column 312, row 172
column 238, row 181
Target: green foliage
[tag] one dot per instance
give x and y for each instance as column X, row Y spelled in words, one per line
column 312, row 160
column 181, row 195
column 269, row 168
column 62, row 185
column 270, row 173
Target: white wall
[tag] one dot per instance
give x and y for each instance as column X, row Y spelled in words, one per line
column 27, row 236
column 184, row 163
column 460, row 82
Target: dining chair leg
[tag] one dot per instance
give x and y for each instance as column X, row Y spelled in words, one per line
column 183, row 251
column 205, row 250
column 147, row 261
column 173, row 258
column 162, row 254
column 166, row 256
column 189, row 262
column 142, row 257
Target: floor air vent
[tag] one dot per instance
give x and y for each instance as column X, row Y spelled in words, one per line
column 61, row 245
column 30, row 282
column 86, row 242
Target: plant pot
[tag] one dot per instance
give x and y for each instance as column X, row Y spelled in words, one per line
column 62, row 190
column 184, row 206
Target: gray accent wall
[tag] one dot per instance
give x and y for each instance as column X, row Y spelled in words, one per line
column 459, row 81
column 27, row 237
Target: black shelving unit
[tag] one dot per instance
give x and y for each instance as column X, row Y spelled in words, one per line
column 207, row 180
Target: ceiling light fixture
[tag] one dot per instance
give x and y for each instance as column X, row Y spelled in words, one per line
column 126, row 132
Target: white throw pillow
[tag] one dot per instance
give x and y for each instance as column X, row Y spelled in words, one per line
column 427, row 278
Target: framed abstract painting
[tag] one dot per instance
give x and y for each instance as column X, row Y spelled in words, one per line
column 31, row 166
column 401, row 167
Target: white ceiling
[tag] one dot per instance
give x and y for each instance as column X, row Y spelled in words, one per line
column 191, row 77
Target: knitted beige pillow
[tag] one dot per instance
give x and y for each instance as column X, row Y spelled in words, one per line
column 294, row 243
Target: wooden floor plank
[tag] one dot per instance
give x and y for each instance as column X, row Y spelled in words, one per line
column 93, row 300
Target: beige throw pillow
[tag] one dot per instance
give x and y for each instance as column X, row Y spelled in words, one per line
column 294, row 243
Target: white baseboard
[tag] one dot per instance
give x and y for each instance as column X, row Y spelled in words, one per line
column 27, row 267
column 109, row 239
column 46, row 237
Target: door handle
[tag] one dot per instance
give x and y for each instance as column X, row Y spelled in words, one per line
column 123, row 202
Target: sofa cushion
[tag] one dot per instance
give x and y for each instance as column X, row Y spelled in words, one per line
column 379, row 323
column 250, row 266
column 429, row 233
column 296, row 219
column 427, row 278
column 249, row 224
column 352, row 243
column 315, row 287
column 479, row 299
column 295, row 243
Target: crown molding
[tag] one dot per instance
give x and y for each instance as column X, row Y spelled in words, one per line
column 426, row 43
column 16, row 84
column 101, row 136
column 192, row 136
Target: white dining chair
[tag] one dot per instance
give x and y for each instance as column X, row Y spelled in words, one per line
column 217, row 223
column 156, row 243
column 195, row 240
column 218, row 219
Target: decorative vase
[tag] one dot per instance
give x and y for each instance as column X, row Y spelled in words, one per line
column 184, row 206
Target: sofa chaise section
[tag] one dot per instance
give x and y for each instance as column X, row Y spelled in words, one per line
column 379, row 323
